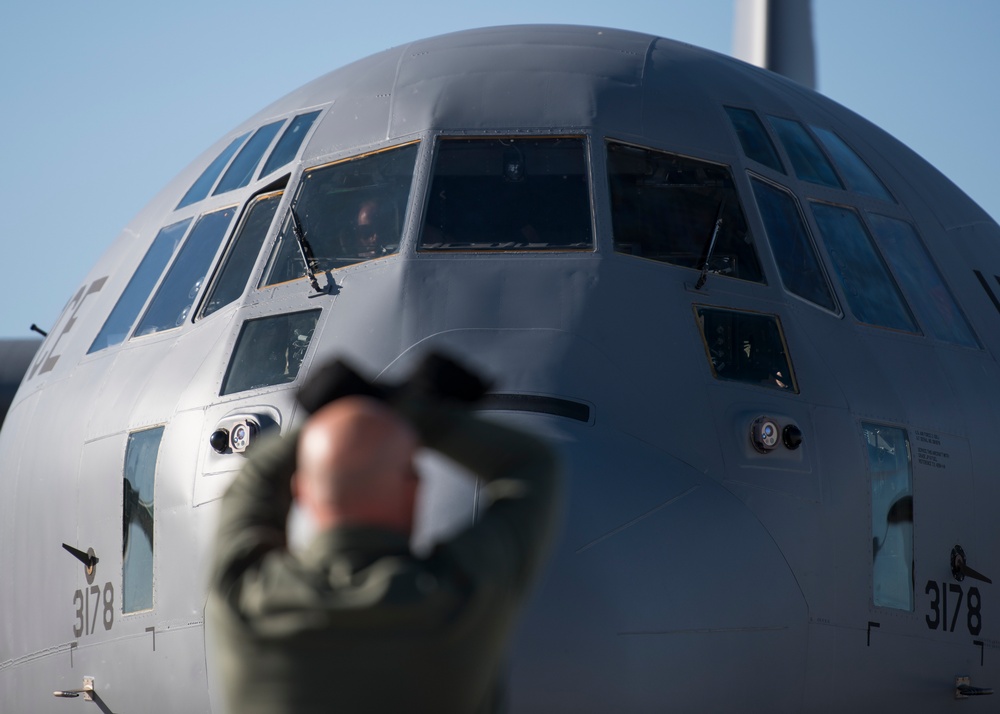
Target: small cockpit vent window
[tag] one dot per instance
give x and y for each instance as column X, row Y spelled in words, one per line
column 928, row 294
column 746, row 347
column 200, row 188
column 120, row 321
column 678, row 210
column 868, row 286
column 856, row 173
column 808, row 159
column 509, row 194
column 289, row 143
column 269, row 351
column 172, row 302
column 793, row 250
column 138, row 519
column 753, row 136
column 246, row 162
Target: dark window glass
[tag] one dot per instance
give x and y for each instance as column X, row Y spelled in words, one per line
column 892, row 515
column 175, row 296
column 289, row 143
column 242, row 255
column 666, row 207
column 859, row 177
column 269, row 351
column 120, row 321
column 246, row 162
column 936, row 309
column 509, row 194
column 754, row 139
column 349, row 212
column 807, row 158
column 137, row 519
column 798, row 265
column 200, row 188
column 746, row 347
column 870, row 290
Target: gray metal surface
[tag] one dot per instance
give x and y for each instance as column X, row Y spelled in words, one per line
column 693, row 572
column 15, row 356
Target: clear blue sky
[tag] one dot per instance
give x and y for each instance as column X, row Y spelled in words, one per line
column 105, row 101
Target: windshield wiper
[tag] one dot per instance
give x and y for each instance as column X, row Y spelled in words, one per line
column 711, row 245
column 305, row 250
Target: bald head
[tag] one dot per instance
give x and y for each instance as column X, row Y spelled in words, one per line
column 355, row 466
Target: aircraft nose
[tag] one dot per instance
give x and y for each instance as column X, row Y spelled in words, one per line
column 661, row 577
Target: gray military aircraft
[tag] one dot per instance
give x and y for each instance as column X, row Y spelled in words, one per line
column 760, row 330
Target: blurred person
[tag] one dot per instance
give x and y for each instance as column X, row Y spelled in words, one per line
column 357, row 622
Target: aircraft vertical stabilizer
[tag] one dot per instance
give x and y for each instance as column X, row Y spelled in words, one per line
column 776, row 35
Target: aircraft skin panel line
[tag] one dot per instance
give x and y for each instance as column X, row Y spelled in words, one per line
column 635, row 520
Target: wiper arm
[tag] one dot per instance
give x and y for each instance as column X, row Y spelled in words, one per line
column 711, row 245
column 305, row 250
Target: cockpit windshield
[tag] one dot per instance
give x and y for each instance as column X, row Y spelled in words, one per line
column 509, row 194
column 666, row 207
column 348, row 212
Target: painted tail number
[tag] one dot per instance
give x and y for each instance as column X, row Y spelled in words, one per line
column 945, row 617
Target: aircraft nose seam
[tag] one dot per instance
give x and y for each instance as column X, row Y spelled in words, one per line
column 637, row 519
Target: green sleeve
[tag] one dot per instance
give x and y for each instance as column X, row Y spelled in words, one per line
column 521, row 479
column 254, row 510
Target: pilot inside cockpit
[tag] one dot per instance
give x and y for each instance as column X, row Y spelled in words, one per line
column 365, row 237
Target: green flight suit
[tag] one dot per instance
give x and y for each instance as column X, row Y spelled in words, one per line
column 357, row 623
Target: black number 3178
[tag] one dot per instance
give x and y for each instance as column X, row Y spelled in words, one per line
column 939, row 615
column 93, row 606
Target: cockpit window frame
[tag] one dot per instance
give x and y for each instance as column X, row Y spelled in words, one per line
column 234, row 244
column 790, row 133
column 159, row 298
column 733, row 178
column 765, row 155
column 775, row 379
column 439, row 138
column 209, row 177
column 141, row 286
column 858, row 177
column 811, row 244
column 249, row 158
column 311, row 119
column 927, row 293
column 296, row 188
column 859, row 303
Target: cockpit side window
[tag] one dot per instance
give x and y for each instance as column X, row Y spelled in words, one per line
column 892, row 515
column 928, row 294
column 200, row 188
column 289, row 143
column 793, row 250
column 509, row 194
column 176, row 294
column 670, row 208
column 269, row 351
column 868, row 286
column 116, row 327
column 246, row 162
column 137, row 519
column 746, row 347
column 242, row 254
column 753, row 137
column 348, row 212
column 856, row 173
column 808, row 159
